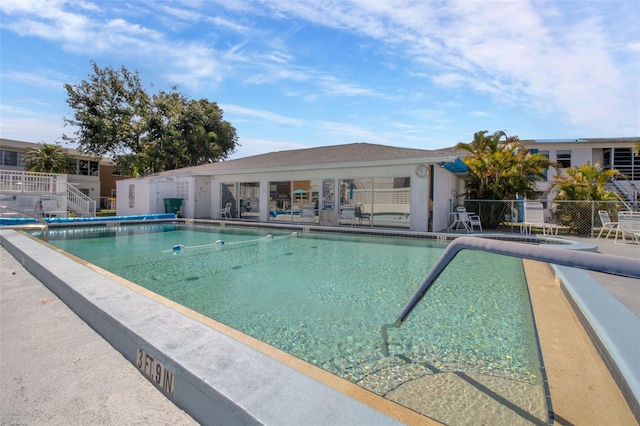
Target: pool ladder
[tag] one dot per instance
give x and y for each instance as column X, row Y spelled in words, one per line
column 43, row 223
column 622, row 266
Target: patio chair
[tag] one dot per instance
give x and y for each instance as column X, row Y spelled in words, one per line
column 468, row 219
column 534, row 218
column 628, row 226
column 348, row 214
column 606, row 223
column 362, row 216
column 225, row 212
column 308, row 212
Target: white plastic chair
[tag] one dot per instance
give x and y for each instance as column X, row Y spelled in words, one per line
column 606, row 223
column 308, row 212
column 628, row 226
column 348, row 214
column 468, row 220
column 534, row 217
column 226, row 211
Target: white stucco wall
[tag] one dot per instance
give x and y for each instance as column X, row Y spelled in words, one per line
column 90, row 184
column 150, row 192
column 444, row 183
column 135, row 201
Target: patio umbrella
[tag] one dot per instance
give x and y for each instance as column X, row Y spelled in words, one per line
column 300, row 192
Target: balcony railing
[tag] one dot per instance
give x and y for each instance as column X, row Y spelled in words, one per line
column 42, row 183
column 47, row 183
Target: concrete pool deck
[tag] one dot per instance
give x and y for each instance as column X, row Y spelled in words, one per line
column 63, row 384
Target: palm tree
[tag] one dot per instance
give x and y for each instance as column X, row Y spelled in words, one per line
column 501, row 170
column 47, row 158
column 586, row 183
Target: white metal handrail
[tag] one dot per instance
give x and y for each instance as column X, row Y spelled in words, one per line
column 41, row 222
column 80, row 202
column 616, row 265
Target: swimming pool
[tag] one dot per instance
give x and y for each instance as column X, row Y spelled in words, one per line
column 323, row 298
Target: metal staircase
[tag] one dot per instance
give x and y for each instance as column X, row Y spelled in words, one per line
column 626, row 192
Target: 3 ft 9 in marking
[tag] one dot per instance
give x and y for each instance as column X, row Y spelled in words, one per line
column 155, row 371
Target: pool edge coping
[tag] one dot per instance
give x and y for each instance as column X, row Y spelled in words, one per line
column 606, row 321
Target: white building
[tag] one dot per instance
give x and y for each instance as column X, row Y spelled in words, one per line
column 610, row 153
column 34, row 193
column 390, row 187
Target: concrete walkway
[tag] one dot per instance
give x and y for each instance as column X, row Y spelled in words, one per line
column 626, row 290
column 55, row 370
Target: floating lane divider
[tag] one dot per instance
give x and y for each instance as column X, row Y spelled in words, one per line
column 220, row 243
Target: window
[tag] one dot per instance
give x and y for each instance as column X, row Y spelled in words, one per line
column 73, row 167
column 10, row 158
column 546, row 155
column 563, row 158
column 88, row 168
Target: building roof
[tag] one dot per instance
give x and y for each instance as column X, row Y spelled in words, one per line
column 22, row 146
column 579, row 141
column 349, row 153
column 320, row 156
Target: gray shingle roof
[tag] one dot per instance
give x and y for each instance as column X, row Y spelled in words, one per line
column 355, row 152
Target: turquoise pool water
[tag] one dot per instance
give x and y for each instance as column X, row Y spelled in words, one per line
column 323, row 298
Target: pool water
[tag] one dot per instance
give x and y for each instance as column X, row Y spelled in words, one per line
column 323, row 298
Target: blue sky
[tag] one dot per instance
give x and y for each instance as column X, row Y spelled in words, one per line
column 296, row 74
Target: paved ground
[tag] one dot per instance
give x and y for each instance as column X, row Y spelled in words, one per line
column 55, row 370
column 627, row 290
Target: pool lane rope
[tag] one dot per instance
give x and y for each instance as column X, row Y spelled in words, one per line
column 220, row 243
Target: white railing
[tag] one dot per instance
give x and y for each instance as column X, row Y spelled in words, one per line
column 21, row 181
column 79, row 202
column 47, row 183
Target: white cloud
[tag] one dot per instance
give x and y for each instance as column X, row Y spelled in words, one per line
column 556, row 59
column 32, row 79
column 261, row 114
column 255, row 146
column 33, row 129
column 532, row 55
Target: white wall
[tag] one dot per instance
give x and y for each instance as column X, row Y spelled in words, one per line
column 444, row 183
column 89, row 183
column 133, row 202
column 33, row 204
column 149, row 193
column 419, row 219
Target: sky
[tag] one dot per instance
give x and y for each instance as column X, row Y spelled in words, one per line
column 297, row 74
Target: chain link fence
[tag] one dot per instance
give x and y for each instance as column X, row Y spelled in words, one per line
column 579, row 218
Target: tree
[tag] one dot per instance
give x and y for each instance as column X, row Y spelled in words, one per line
column 111, row 109
column 146, row 134
column 48, row 158
column 583, row 183
column 500, row 170
column 185, row 132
